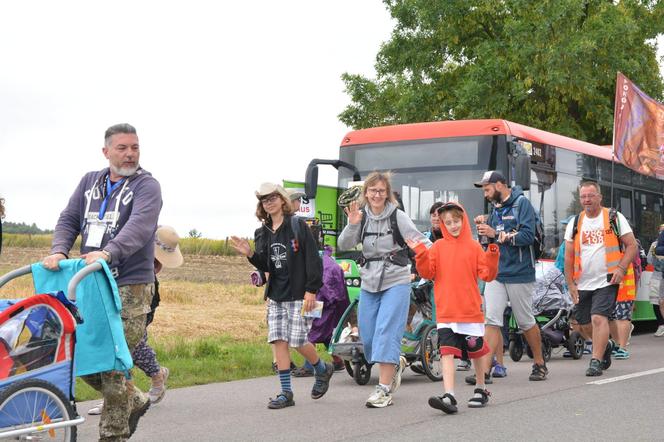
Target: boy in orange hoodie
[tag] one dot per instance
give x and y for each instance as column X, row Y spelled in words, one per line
column 454, row 263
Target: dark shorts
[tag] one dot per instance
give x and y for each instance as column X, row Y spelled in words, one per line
column 623, row 311
column 461, row 346
column 596, row 302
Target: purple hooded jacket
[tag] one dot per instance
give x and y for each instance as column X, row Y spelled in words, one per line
column 335, row 296
column 131, row 218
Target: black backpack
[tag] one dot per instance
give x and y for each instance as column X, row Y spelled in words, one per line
column 400, row 257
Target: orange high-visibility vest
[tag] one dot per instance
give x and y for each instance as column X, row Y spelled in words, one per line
column 627, row 289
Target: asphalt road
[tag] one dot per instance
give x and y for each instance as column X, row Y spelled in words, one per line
column 563, row 407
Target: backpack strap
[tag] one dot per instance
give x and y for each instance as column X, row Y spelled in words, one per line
column 296, row 227
column 575, row 228
column 396, row 233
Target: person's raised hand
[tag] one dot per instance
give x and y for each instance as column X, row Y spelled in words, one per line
column 241, row 246
column 353, row 213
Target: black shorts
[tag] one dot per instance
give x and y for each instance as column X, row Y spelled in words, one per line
column 596, row 302
column 461, row 346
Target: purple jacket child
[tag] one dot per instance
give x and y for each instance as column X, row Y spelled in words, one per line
column 335, row 296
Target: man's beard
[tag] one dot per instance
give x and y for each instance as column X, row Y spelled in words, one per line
column 496, row 197
column 123, row 171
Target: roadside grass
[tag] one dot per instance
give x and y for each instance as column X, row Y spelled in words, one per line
column 204, row 361
column 188, row 246
column 209, row 327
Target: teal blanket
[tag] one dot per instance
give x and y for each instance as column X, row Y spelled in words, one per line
column 100, row 341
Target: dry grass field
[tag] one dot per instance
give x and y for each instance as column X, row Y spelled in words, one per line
column 209, row 296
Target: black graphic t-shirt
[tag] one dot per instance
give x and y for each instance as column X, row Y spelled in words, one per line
column 277, row 252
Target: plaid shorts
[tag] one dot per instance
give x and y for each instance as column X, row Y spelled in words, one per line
column 286, row 323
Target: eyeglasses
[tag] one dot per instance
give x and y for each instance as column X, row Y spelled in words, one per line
column 377, row 191
column 589, row 196
column 269, row 199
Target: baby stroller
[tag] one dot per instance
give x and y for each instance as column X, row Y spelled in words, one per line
column 37, row 378
column 419, row 342
column 552, row 307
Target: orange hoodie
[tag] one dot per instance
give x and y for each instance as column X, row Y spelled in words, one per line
column 454, row 264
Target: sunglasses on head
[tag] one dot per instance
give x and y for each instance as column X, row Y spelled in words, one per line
column 448, row 206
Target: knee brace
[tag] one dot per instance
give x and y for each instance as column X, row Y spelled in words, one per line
column 474, row 343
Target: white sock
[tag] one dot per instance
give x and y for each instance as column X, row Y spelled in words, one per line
column 385, row 387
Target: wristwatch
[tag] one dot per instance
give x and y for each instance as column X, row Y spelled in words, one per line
column 109, row 257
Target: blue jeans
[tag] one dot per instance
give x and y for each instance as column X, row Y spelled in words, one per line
column 382, row 320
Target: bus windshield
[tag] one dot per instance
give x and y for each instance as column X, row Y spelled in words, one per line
column 426, row 171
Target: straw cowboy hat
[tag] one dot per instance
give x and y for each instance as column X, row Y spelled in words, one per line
column 270, row 188
column 166, row 248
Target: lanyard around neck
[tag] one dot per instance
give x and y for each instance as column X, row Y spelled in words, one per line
column 109, row 190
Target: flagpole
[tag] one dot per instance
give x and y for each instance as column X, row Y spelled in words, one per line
column 613, row 144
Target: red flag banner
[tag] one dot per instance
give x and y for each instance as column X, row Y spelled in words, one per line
column 638, row 129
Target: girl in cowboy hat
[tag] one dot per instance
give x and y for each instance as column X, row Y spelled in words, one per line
column 289, row 253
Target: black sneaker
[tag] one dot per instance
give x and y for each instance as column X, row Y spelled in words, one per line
column 472, row 380
column 479, row 399
column 448, row 406
column 135, row 415
column 539, row 372
column 595, row 368
column 283, row 400
column 606, row 358
column 322, row 382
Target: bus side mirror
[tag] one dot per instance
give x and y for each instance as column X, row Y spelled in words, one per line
column 520, row 166
column 311, row 181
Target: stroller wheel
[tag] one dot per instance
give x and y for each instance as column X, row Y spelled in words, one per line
column 362, row 371
column 35, row 402
column 516, row 349
column 430, row 353
column 575, row 344
column 547, row 349
column 349, row 369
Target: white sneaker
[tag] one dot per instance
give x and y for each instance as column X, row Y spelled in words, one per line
column 157, row 392
column 96, row 410
column 398, row 371
column 631, row 329
column 660, row 331
column 379, row 398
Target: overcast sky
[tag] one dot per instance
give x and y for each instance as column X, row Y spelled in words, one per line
column 224, row 95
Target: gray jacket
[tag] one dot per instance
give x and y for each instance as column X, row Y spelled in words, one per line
column 381, row 246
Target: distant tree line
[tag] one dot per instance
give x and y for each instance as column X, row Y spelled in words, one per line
column 23, row 228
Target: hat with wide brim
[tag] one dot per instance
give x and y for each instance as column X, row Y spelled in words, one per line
column 294, row 194
column 270, row 188
column 166, row 248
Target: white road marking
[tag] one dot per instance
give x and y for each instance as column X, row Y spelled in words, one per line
column 627, row 376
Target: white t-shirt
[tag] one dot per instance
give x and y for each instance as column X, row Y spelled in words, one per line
column 593, row 254
column 464, row 328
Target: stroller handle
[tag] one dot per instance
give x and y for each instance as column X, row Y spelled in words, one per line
column 78, row 277
column 71, row 287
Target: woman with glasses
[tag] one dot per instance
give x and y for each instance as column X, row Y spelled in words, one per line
column 289, row 253
column 385, row 289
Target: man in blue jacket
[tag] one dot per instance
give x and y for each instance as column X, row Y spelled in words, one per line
column 115, row 210
column 512, row 225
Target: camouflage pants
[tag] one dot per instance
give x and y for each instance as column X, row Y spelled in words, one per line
column 122, row 397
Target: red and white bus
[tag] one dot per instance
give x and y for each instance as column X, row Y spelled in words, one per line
column 440, row 161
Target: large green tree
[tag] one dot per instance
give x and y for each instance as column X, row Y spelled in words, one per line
column 550, row 64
